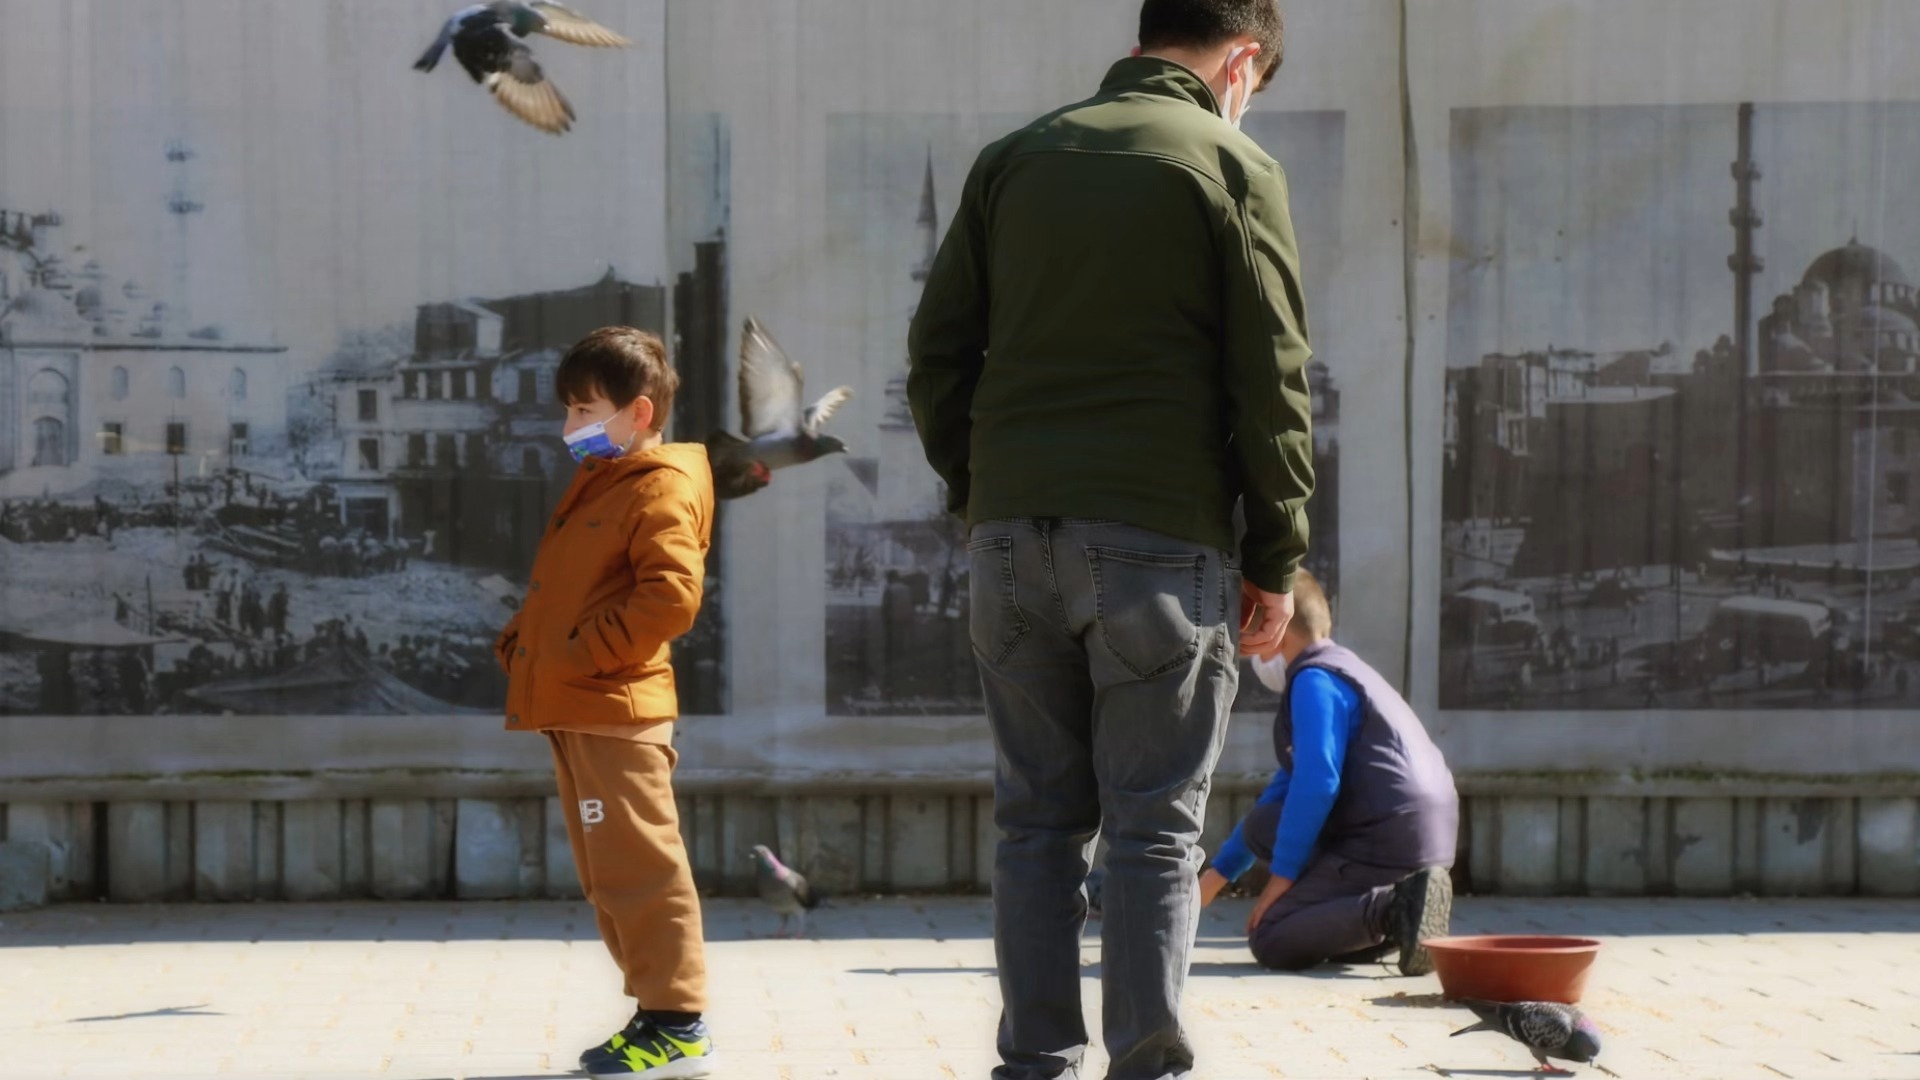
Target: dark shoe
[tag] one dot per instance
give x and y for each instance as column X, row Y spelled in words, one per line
column 606, row 1051
column 1368, row 955
column 657, row 1052
column 1421, row 908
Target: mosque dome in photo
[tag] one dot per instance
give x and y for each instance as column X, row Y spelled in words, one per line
column 1854, row 266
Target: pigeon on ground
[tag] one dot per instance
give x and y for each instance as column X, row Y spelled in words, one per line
column 1547, row 1029
column 489, row 40
column 780, row 430
column 784, row 890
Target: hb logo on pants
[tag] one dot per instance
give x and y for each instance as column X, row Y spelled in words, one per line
column 592, row 812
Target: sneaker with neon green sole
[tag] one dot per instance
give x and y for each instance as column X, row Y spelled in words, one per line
column 654, row 1052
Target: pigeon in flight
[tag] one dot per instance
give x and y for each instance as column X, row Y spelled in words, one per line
column 490, row 41
column 780, row 431
column 1547, row 1029
column 783, row 889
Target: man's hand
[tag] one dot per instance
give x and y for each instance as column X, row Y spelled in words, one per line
column 1211, row 882
column 1277, row 887
column 1263, row 618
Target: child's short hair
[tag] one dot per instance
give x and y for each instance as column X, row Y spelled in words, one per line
column 1312, row 614
column 621, row 364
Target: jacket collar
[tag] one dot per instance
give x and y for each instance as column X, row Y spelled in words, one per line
column 596, row 474
column 1159, row 77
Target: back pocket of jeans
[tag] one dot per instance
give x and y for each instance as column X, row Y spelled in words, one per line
column 1148, row 607
column 996, row 623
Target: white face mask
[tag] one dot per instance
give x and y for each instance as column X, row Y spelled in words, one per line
column 1227, row 111
column 1272, row 673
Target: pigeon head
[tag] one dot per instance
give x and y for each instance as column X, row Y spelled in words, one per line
column 828, row 444
column 525, row 20
column 762, row 856
column 1584, row 1045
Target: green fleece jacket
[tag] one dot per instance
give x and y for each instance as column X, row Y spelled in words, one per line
column 1114, row 327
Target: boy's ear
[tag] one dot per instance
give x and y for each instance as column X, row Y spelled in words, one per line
column 642, row 413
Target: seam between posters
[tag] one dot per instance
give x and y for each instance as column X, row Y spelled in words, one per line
column 1410, row 240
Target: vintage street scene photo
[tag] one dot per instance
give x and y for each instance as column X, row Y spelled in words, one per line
column 199, row 516
column 1682, row 449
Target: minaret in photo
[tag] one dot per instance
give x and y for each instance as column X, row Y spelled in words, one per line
column 182, row 205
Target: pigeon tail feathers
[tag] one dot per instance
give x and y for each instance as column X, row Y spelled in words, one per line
column 431, row 58
column 1481, row 1025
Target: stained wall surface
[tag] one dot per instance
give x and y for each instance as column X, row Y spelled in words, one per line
column 1616, row 374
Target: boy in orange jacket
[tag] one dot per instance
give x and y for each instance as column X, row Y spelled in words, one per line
column 618, row 576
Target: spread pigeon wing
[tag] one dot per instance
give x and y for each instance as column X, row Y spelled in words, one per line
column 770, row 385
column 822, row 411
column 1543, row 1026
column 525, row 91
column 574, row 28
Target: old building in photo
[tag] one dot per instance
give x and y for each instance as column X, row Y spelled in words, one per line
column 450, row 443
column 246, row 517
column 1838, row 415
column 99, row 386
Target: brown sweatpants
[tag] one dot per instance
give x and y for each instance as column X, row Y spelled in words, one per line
column 617, row 796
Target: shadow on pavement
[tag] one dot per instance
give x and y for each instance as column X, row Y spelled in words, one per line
column 177, row 1010
column 983, row 972
column 1323, row 973
column 1413, row 1001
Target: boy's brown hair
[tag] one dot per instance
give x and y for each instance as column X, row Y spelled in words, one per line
column 620, row 363
column 1312, row 614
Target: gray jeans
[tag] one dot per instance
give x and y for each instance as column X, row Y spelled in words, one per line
column 1108, row 658
column 1337, row 909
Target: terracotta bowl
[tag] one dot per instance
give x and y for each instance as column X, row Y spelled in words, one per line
column 1497, row 967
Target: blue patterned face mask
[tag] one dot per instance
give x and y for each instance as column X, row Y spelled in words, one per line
column 592, row 441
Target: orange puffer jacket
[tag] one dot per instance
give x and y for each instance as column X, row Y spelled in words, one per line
column 617, row 578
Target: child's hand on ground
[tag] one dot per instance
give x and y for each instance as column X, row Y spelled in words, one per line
column 1276, row 888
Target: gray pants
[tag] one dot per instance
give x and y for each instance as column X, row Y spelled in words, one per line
column 1337, row 909
column 1108, row 656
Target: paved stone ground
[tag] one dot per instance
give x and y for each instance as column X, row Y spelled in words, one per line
column 903, row 990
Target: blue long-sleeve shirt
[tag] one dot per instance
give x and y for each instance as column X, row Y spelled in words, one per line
column 1326, row 714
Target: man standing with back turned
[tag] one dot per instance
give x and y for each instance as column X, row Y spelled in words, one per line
column 1109, row 355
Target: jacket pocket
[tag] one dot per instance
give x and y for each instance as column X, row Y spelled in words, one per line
column 996, row 624
column 1148, row 607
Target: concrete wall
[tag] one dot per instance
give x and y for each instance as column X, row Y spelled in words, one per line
column 917, row 841
column 811, row 135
